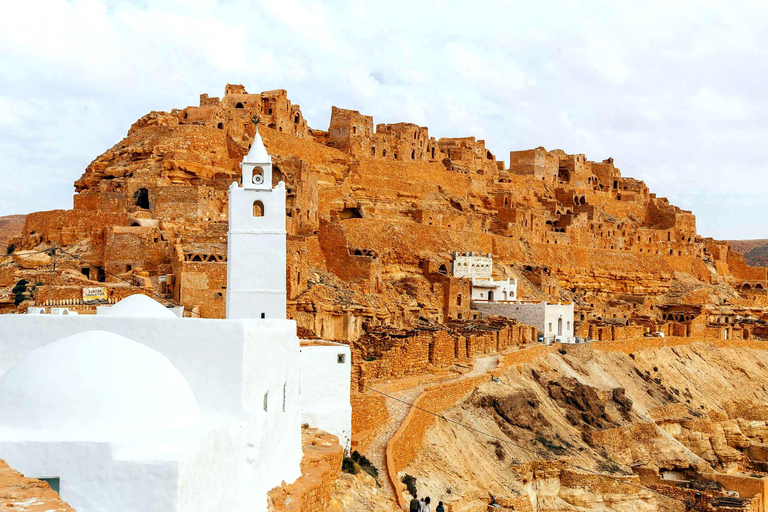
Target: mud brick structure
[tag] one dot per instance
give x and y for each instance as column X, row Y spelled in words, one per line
column 375, row 214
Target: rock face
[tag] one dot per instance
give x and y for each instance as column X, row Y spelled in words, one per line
column 705, row 434
column 18, row 492
column 755, row 251
column 374, row 215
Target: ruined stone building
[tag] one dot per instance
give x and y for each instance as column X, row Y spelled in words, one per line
column 374, row 214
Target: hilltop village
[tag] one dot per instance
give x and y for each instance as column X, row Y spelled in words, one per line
column 454, row 280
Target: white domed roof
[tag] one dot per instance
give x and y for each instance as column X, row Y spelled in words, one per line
column 138, row 305
column 94, row 385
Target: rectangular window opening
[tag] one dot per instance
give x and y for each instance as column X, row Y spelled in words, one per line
column 341, row 358
column 53, row 481
column 266, row 401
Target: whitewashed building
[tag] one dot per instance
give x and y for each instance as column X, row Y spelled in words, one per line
column 480, row 270
column 553, row 321
column 136, row 409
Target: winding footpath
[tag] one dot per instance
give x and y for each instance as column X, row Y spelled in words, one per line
column 376, row 451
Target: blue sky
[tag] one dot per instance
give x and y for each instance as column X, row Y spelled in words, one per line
column 674, row 91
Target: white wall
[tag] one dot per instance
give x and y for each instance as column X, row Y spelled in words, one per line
column 466, row 265
column 256, row 254
column 229, row 365
column 540, row 315
column 559, row 313
column 325, row 389
column 481, row 287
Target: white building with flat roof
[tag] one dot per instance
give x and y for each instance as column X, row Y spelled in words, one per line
column 553, row 321
column 480, row 270
column 136, row 409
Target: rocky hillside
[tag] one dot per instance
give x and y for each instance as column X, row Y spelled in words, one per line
column 638, row 419
column 10, row 226
column 374, row 216
column 755, row 251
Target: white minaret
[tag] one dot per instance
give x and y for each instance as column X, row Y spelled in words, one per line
column 256, row 240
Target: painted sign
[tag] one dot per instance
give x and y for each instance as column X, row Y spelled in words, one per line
column 96, row 295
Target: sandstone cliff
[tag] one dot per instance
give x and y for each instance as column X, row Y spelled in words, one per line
column 374, row 214
column 678, row 420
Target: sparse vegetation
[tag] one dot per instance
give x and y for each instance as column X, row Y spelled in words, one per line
column 19, row 290
column 366, row 465
column 550, row 445
column 608, row 466
column 410, row 483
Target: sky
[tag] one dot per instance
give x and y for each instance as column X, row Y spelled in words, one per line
column 674, row 91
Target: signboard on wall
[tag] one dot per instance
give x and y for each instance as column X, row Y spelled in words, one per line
column 95, row 295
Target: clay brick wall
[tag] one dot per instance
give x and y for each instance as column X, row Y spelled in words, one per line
column 369, row 411
column 405, row 445
column 320, row 468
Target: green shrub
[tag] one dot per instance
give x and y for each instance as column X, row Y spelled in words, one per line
column 365, row 464
column 410, row 483
column 19, row 290
column 550, row 445
column 350, row 466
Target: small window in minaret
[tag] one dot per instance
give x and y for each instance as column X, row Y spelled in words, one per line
column 285, row 384
column 266, row 400
column 354, row 130
column 340, row 358
column 257, row 178
column 258, row 209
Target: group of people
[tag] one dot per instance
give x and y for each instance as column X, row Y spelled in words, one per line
column 423, row 505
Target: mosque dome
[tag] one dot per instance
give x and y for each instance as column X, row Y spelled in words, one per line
column 95, row 385
column 138, row 305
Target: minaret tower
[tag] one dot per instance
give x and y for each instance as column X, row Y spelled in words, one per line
column 256, row 240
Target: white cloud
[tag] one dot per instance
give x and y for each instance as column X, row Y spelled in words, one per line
column 673, row 91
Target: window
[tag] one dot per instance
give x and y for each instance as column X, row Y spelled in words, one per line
column 220, row 126
column 568, row 325
column 257, row 177
column 263, row 315
column 266, row 401
column 53, row 481
column 354, row 130
column 341, row 358
column 458, row 300
column 258, row 209
column 239, row 105
column 141, row 198
column 285, row 384
column 550, row 326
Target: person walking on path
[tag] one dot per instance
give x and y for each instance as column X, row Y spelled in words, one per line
column 415, row 505
column 426, row 507
column 440, row 507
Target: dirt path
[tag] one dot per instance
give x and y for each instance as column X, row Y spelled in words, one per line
column 376, row 451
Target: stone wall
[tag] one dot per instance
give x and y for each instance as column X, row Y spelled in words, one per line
column 369, row 411
column 320, row 468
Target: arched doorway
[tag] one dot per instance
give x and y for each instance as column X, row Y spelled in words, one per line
column 559, row 326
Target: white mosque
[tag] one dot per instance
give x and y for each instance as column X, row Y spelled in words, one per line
column 136, row 409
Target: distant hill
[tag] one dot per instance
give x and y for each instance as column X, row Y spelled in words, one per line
column 10, row 226
column 755, row 251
